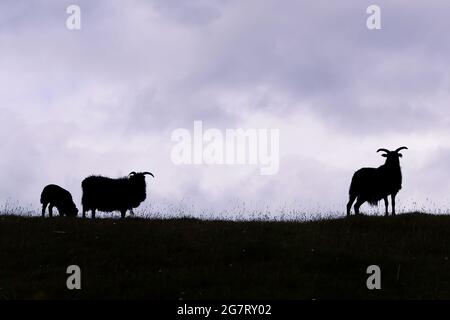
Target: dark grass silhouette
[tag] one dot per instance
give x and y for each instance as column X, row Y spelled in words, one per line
column 55, row 196
column 374, row 184
column 193, row 259
column 108, row 195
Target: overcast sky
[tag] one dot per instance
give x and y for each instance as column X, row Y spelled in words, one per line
column 105, row 99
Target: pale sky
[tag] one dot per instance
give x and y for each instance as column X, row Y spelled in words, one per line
column 105, row 99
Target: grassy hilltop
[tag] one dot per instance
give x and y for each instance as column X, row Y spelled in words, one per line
column 190, row 259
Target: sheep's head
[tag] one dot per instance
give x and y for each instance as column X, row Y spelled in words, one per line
column 71, row 210
column 137, row 186
column 139, row 176
column 392, row 157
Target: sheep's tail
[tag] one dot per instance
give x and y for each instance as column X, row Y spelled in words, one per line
column 43, row 196
column 356, row 187
column 353, row 190
column 84, row 186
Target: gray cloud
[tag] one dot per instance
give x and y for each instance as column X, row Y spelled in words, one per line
column 106, row 99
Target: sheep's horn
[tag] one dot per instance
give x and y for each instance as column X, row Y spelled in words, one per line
column 149, row 173
column 384, row 150
column 401, row 148
column 132, row 173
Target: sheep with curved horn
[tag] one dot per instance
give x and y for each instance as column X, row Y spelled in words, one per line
column 374, row 184
column 107, row 194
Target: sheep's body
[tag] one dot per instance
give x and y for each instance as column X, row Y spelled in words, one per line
column 55, row 196
column 108, row 195
column 382, row 183
column 374, row 184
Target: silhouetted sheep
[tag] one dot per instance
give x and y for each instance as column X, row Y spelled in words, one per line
column 55, row 196
column 107, row 194
column 374, row 184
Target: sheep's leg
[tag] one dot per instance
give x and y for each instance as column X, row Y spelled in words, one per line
column 84, row 212
column 358, row 204
column 393, row 204
column 386, row 205
column 350, row 203
column 93, row 213
column 44, row 206
column 50, row 211
column 123, row 213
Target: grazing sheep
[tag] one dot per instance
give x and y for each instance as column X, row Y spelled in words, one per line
column 374, row 184
column 107, row 194
column 55, row 196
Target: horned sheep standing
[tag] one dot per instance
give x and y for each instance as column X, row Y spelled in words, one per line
column 374, row 184
column 108, row 195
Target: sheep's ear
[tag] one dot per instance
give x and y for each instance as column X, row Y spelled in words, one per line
column 384, row 155
column 400, row 155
